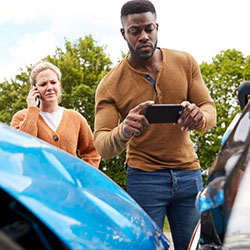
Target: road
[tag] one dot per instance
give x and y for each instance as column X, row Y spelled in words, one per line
column 168, row 234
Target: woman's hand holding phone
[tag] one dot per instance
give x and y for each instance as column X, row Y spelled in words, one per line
column 33, row 98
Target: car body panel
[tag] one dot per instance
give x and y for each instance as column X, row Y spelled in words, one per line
column 80, row 204
column 238, row 229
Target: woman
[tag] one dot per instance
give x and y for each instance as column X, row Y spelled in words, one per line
column 63, row 128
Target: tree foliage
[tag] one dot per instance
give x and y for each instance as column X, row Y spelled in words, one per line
column 83, row 64
column 13, row 96
column 222, row 77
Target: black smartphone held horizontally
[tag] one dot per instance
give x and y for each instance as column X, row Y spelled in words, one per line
column 163, row 113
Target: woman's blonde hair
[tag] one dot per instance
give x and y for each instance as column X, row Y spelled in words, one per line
column 39, row 67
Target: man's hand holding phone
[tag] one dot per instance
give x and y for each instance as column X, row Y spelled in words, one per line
column 191, row 117
column 33, row 98
column 186, row 113
column 135, row 121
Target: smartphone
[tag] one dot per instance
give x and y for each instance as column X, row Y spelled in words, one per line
column 163, row 113
column 37, row 99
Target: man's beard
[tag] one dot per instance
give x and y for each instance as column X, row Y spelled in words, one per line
column 142, row 56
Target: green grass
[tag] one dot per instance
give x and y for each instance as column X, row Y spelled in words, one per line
column 166, row 225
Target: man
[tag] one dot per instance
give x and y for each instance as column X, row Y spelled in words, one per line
column 163, row 172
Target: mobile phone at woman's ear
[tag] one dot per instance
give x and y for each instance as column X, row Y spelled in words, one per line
column 38, row 101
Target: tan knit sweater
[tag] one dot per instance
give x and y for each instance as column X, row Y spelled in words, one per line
column 161, row 145
column 73, row 134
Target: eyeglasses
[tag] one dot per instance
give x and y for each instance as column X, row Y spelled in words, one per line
column 136, row 30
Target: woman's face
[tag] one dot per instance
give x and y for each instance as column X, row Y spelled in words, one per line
column 48, row 85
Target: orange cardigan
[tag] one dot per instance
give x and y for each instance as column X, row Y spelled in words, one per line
column 73, row 135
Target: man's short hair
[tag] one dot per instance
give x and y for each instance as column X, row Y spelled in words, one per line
column 137, row 7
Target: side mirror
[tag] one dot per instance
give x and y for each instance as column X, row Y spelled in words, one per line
column 243, row 92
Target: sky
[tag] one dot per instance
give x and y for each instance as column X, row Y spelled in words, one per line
column 31, row 30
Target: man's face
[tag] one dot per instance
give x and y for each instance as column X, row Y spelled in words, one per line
column 140, row 32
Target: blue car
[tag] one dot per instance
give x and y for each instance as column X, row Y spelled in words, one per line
column 51, row 200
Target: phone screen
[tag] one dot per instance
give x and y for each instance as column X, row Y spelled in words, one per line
column 163, row 113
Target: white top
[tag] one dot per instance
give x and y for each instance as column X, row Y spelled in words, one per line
column 53, row 119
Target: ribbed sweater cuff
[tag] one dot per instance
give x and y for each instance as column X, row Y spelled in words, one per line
column 121, row 136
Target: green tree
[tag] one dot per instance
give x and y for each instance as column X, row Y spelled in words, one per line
column 222, row 77
column 83, row 64
column 13, row 96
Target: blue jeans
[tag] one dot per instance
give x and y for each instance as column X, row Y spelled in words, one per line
column 168, row 192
